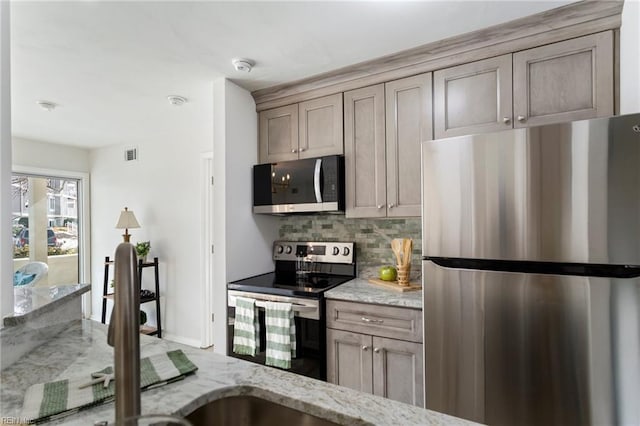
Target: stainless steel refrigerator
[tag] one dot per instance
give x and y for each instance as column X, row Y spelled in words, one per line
column 531, row 245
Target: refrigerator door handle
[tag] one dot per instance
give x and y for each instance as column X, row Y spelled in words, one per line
column 552, row 268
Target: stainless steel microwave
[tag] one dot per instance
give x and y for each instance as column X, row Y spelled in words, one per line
column 299, row 186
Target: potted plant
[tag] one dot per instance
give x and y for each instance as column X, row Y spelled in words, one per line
column 142, row 250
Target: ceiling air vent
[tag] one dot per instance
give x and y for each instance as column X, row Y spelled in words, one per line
column 131, row 154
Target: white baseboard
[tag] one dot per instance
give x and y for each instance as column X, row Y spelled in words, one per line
column 183, row 340
column 174, row 338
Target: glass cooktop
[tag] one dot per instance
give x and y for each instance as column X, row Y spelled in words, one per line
column 287, row 284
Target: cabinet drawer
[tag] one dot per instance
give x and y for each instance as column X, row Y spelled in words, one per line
column 384, row 321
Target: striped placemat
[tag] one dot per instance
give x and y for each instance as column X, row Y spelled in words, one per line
column 49, row 401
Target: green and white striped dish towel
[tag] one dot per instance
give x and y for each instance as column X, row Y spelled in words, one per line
column 246, row 330
column 281, row 334
column 49, row 401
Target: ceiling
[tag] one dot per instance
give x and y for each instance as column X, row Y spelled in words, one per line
column 110, row 65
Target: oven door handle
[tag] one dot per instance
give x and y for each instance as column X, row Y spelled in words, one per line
column 296, row 307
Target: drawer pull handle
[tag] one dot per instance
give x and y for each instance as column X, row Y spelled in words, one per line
column 375, row 321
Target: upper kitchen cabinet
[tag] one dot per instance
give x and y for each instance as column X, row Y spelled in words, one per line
column 278, row 134
column 408, row 122
column 384, row 125
column 569, row 80
column 364, row 143
column 320, row 127
column 309, row 129
column 473, row 97
column 563, row 81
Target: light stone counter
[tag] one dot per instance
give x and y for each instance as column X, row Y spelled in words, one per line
column 40, row 313
column 30, row 302
column 360, row 290
column 82, row 349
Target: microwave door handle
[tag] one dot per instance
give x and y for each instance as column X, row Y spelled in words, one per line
column 316, row 180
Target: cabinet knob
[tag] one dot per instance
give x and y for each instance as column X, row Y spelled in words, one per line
column 506, row 120
column 365, row 348
column 376, row 350
column 302, row 149
column 522, row 118
column 293, row 151
column 380, row 206
column 391, row 205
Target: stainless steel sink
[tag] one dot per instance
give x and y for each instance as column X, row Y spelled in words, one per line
column 247, row 410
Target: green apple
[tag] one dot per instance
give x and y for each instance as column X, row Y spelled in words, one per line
column 388, row 273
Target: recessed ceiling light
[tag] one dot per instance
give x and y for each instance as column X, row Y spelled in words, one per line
column 46, row 105
column 176, row 100
column 243, row 65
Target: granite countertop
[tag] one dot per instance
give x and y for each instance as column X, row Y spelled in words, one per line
column 33, row 301
column 360, row 290
column 82, row 349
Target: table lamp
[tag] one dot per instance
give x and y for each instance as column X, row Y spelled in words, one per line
column 127, row 220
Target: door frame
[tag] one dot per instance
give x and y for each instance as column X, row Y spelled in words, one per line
column 206, row 248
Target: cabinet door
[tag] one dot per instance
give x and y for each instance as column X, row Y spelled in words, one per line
column 278, row 134
column 364, row 145
column 570, row 80
column 320, row 125
column 349, row 360
column 398, row 370
column 473, row 97
column 408, row 122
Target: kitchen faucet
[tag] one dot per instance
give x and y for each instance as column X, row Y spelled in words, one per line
column 124, row 333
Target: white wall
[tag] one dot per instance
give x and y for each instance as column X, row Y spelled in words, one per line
column 249, row 237
column 6, row 251
column 162, row 189
column 45, row 155
column 630, row 58
column 242, row 240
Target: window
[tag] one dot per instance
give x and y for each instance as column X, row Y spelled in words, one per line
column 52, row 203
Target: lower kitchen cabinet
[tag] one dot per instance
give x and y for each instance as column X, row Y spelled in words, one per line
column 372, row 363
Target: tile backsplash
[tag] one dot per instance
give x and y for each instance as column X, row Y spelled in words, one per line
column 372, row 237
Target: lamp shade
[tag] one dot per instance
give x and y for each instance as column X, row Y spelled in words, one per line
column 127, row 220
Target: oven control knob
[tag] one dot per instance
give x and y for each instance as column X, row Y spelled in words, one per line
column 336, row 251
column 288, row 250
column 279, row 249
column 346, row 251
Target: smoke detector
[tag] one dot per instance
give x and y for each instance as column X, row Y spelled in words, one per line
column 243, row 65
column 176, row 100
column 46, row 105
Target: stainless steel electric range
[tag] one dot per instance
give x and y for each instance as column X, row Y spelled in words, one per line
column 303, row 272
